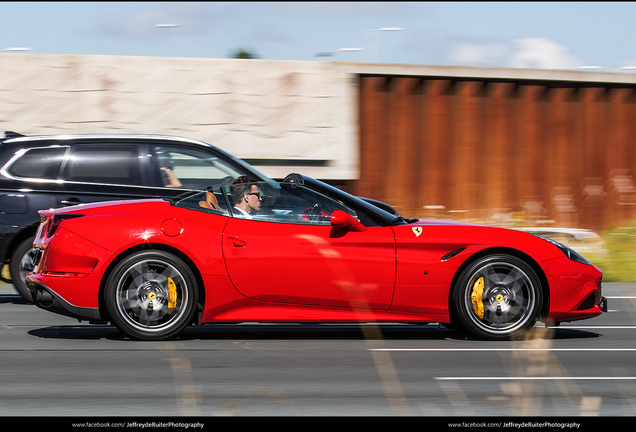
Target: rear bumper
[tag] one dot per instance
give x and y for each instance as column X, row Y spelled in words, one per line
column 66, row 277
column 47, row 299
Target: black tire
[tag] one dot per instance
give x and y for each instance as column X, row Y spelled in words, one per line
column 138, row 291
column 20, row 265
column 509, row 304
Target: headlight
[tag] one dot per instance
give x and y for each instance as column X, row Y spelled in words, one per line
column 566, row 250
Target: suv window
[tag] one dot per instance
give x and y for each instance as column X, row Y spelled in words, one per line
column 192, row 169
column 39, row 163
column 105, row 164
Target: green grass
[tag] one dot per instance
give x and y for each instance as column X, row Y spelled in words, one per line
column 618, row 261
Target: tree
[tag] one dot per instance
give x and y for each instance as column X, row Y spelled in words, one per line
column 242, row 53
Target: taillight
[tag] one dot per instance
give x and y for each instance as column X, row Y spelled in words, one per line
column 56, row 220
column 64, row 274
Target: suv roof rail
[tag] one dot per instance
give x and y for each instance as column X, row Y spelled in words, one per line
column 11, row 134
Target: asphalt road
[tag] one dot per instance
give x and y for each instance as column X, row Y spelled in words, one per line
column 54, row 366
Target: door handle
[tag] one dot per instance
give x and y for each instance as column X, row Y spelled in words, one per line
column 238, row 242
column 71, row 201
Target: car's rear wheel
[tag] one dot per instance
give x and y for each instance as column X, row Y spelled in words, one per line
column 498, row 297
column 151, row 295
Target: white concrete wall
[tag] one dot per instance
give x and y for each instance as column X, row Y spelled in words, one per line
column 263, row 109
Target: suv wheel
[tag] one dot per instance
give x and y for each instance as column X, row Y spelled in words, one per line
column 20, row 265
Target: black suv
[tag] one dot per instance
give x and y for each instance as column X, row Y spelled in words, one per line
column 42, row 172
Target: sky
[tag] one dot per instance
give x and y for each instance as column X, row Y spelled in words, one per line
column 546, row 35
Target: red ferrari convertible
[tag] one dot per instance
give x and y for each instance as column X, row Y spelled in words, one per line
column 298, row 251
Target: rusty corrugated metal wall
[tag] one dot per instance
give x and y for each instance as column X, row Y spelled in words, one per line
column 503, row 151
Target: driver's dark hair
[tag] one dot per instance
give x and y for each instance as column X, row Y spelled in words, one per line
column 241, row 186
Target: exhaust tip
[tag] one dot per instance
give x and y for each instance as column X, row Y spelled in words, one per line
column 43, row 297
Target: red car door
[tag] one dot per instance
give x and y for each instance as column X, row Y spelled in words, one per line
column 311, row 265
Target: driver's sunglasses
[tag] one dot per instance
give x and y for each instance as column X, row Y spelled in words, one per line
column 258, row 194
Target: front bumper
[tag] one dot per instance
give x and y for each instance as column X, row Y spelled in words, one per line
column 575, row 290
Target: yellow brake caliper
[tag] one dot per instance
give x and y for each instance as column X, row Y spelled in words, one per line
column 476, row 297
column 172, row 294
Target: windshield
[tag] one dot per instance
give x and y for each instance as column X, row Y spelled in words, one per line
column 381, row 216
column 311, row 203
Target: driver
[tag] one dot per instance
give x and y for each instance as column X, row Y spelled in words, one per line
column 247, row 198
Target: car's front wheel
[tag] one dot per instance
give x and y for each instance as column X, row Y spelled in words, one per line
column 151, row 295
column 498, row 297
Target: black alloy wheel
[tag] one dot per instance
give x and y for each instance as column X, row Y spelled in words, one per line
column 151, row 295
column 498, row 297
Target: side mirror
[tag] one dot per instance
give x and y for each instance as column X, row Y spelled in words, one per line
column 340, row 219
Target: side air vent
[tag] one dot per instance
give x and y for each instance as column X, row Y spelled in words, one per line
column 588, row 303
column 452, row 254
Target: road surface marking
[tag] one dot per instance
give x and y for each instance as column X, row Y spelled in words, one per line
column 505, row 349
column 535, row 378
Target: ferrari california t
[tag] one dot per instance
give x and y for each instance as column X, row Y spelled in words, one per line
column 298, row 251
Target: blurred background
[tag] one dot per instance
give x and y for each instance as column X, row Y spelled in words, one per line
column 511, row 114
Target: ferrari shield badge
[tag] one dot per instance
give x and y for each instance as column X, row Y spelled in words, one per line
column 417, row 231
